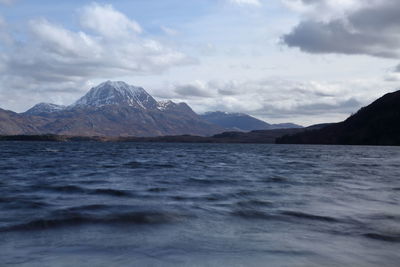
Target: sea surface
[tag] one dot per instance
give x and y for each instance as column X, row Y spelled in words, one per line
column 148, row 204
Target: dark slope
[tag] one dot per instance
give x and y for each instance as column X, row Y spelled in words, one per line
column 375, row 124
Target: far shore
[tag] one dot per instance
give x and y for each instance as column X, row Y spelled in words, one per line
column 253, row 137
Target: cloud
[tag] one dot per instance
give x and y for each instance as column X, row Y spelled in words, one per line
column 393, row 75
column 246, row 2
column 324, row 9
column 108, row 22
column 5, row 37
column 169, row 31
column 196, row 89
column 367, row 28
column 109, row 45
column 278, row 99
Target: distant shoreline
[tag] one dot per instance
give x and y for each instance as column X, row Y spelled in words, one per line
column 253, row 137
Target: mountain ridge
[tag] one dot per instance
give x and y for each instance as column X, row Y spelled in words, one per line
column 242, row 121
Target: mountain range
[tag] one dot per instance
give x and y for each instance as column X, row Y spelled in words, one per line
column 243, row 122
column 114, row 108
column 109, row 109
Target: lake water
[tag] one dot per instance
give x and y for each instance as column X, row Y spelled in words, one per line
column 133, row 204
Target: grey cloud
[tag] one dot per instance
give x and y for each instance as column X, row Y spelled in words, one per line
column 284, row 99
column 393, row 74
column 344, row 106
column 191, row 91
column 310, row 1
column 372, row 30
column 227, row 92
column 348, row 105
column 339, row 110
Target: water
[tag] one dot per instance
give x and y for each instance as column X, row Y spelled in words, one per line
column 129, row 204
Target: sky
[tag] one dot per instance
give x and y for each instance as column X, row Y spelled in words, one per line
column 301, row 61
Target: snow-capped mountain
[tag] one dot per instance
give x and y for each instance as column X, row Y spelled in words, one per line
column 44, row 108
column 118, row 109
column 117, row 93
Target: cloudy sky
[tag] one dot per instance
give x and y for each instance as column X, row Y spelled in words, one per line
column 303, row 61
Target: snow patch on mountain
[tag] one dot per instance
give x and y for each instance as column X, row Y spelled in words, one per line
column 165, row 104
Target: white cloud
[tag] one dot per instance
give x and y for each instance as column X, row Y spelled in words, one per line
column 58, row 40
column 325, row 9
column 108, row 22
column 246, row 2
column 169, row 31
column 52, row 57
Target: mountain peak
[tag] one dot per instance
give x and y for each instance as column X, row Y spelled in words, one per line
column 43, row 108
column 117, row 93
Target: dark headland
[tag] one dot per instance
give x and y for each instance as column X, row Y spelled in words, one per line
column 375, row 124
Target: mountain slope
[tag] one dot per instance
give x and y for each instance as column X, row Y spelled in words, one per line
column 14, row 123
column 125, row 121
column 375, row 124
column 242, row 122
column 237, row 121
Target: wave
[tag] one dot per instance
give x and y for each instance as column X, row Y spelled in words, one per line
column 281, row 216
column 111, row 192
column 81, row 190
column 26, row 204
column 157, row 189
column 21, row 202
column 254, row 203
column 148, row 165
column 254, row 214
column 308, row 216
column 79, row 219
column 384, row 237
